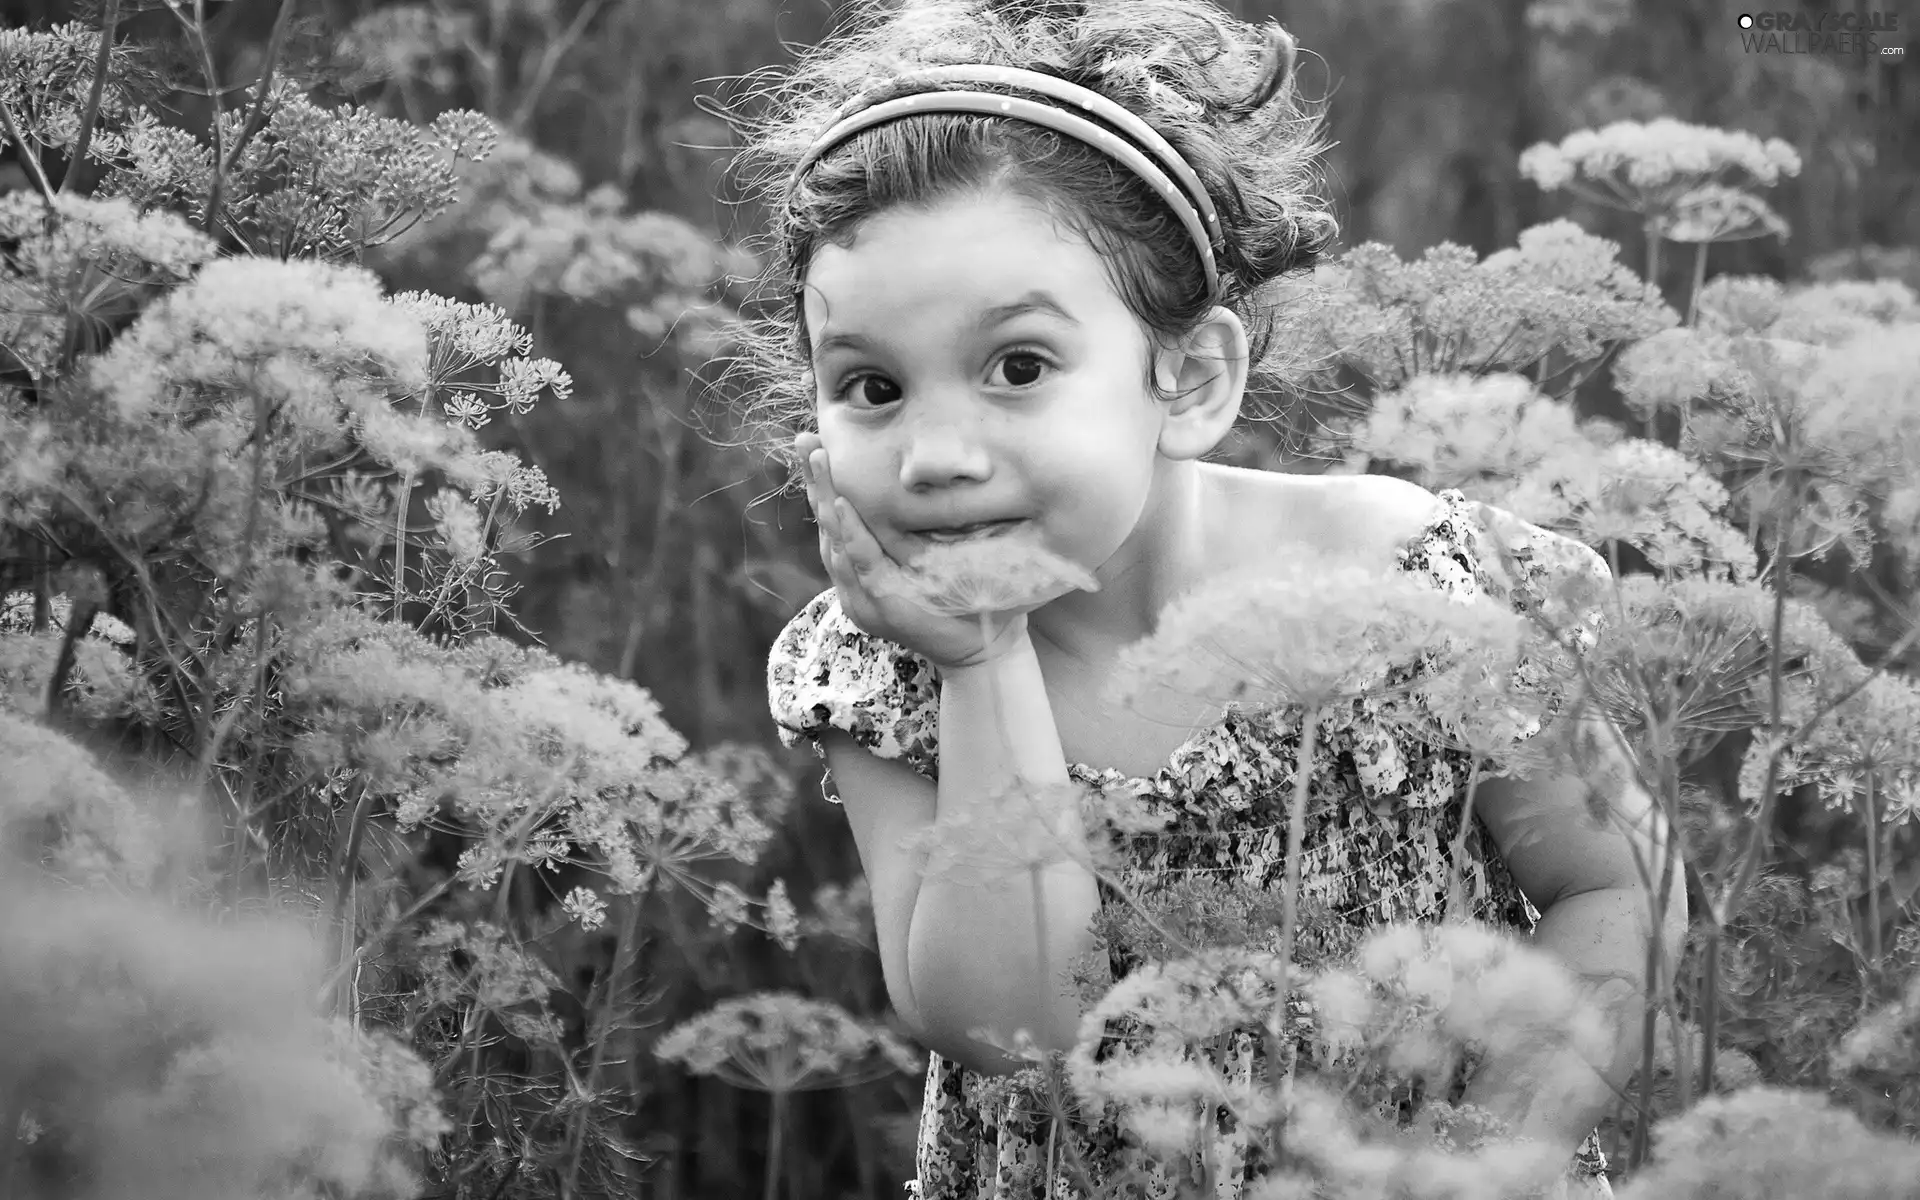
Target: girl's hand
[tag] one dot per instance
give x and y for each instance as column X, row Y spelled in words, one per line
column 870, row 583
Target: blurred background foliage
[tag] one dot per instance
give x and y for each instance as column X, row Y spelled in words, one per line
column 605, row 223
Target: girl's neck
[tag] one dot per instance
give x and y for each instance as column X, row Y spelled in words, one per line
column 1174, row 547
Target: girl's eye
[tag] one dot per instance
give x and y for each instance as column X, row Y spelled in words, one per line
column 1019, row 364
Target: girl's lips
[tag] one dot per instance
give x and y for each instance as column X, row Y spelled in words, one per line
column 986, row 528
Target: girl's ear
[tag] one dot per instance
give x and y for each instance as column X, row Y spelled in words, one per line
column 1207, row 375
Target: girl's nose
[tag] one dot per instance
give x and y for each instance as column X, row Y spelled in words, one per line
column 938, row 456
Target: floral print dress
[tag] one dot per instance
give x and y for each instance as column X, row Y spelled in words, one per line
column 1381, row 821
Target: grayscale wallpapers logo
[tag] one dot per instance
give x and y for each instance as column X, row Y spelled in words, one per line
column 1861, row 35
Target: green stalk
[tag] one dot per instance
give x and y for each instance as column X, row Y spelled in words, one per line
column 1455, row 897
column 1873, row 876
column 776, row 1130
column 1290, row 908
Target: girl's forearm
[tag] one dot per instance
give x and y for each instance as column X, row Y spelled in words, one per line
column 1551, row 1095
column 973, row 948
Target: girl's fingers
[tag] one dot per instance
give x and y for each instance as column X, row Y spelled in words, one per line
column 854, row 538
column 820, row 491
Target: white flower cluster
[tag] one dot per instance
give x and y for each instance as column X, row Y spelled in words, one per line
column 585, row 906
column 780, row 1042
column 1315, row 630
column 110, row 232
column 1657, row 154
column 1672, row 368
column 1458, row 429
column 325, row 322
column 465, row 336
column 1714, row 212
column 57, row 274
column 1562, row 290
column 1642, row 493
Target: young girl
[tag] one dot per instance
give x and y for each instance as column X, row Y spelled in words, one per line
column 1028, row 297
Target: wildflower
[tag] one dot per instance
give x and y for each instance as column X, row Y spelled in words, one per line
column 1713, row 212
column 844, row 911
column 1191, row 999
column 241, row 313
column 988, row 575
column 1788, row 768
column 1660, row 158
column 81, row 262
column 479, row 866
column 1670, row 369
column 1574, row 17
column 1870, row 731
column 589, row 252
column 1560, row 289
column 1882, row 301
column 1457, row 430
column 782, row 922
column 1886, row 1041
column 547, row 851
column 466, row 336
column 1903, row 801
column 1841, row 788
column 1740, row 304
column 727, row 907
column 1167, row 1012
column 1343, row 1008
column 1308, row 632
column 782, row 1043
column 1768, row 1141
column 458, row 524
column 586, row 907
column 1645, row 494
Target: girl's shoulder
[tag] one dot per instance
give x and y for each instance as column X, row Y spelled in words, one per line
column 1380, row 520
column 1369, row 517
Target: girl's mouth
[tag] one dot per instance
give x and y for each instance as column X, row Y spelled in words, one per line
column 968, row 532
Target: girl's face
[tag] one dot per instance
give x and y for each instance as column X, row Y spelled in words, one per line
column 949, row 391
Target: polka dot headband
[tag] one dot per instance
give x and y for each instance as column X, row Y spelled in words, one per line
column 1147, row 155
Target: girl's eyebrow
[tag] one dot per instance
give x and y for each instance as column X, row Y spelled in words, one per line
column 1038, row 300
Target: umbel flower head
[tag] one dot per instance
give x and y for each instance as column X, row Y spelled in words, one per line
column 1311, row 631
column 990, row 575
column 1154, row 1073
column 780, row 1042
column 1462, row 430
column 1560, row 290
column 1646, row 168
column 1771, row 1144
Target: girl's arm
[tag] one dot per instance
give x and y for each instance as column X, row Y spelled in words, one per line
column 960, row 952
column 1597, row 916
column 974, row 950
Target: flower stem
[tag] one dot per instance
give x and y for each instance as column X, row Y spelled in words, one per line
column 400, row 544
column 776, row 1130
column 1699, row 280
column 1290, row 899
column 1873, row 877
column 1456, row 897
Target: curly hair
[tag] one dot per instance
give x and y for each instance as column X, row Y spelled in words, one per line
column 1197, row 76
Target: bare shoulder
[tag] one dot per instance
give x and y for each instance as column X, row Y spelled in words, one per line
column 1382, row 512
column 1368, row 516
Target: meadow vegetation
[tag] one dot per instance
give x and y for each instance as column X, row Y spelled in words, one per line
column 327, row 874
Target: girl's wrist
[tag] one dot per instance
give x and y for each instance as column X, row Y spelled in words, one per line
column 1009, row 642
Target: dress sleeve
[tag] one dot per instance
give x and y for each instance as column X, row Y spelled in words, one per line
column 826, row 673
